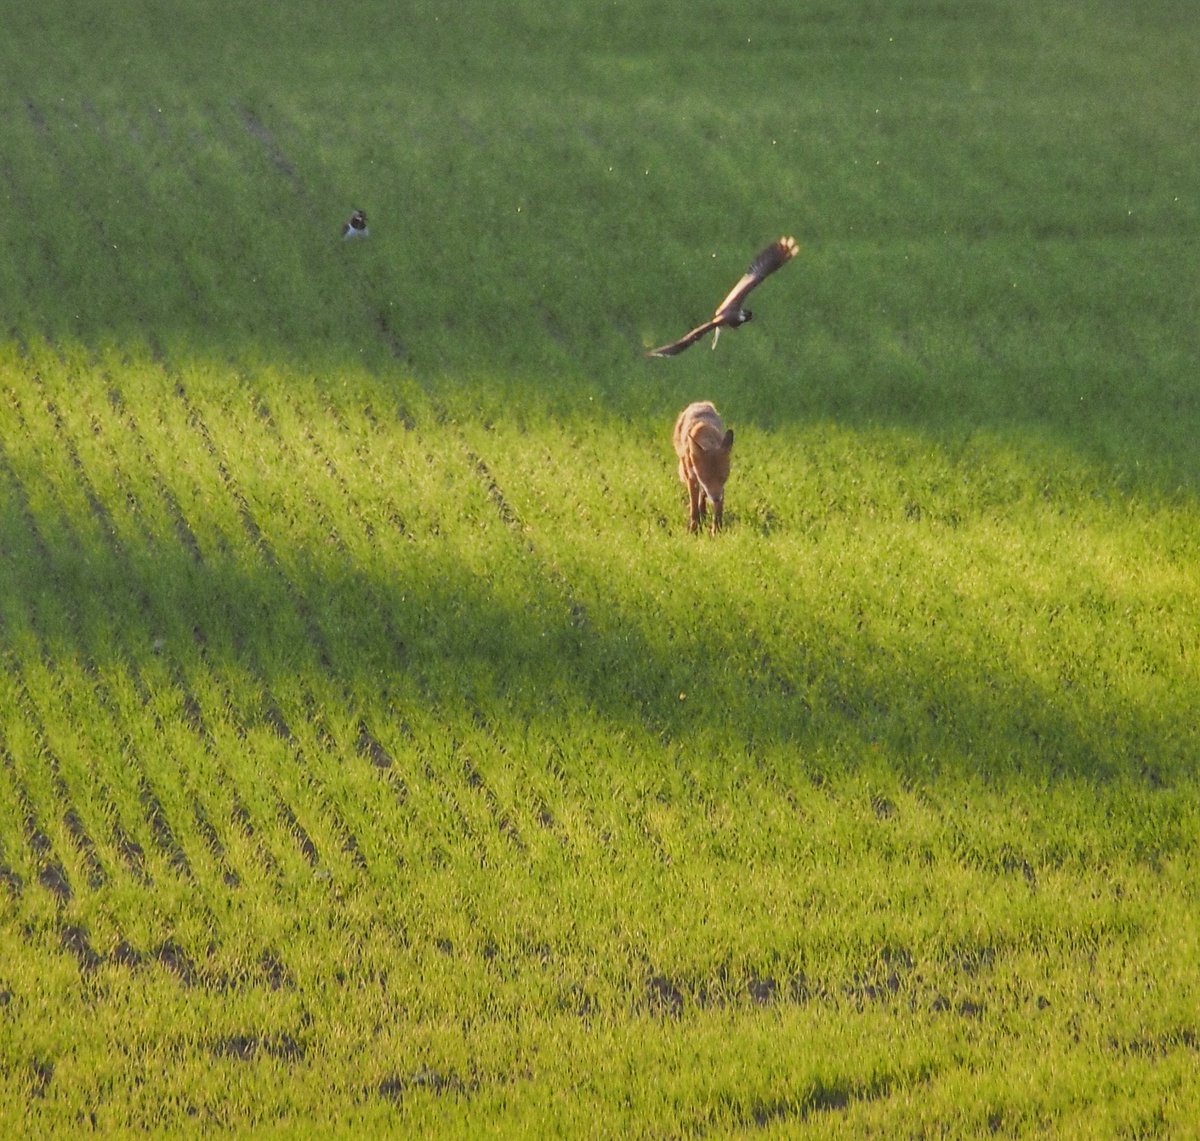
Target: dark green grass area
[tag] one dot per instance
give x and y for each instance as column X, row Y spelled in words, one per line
column 378, row 753
column 984, row 195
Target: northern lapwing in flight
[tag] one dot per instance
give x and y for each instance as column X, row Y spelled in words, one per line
column 730, row 314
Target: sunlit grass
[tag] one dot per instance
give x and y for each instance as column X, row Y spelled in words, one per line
column 378, row 752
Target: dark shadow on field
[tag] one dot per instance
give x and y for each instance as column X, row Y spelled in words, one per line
column 436, row 640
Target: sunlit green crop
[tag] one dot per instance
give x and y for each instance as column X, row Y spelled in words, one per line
column 379, row 754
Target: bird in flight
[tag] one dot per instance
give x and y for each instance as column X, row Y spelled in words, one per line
column 730, row 314
column 356, row 227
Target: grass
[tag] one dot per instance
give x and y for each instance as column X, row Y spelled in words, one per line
column 378, row 753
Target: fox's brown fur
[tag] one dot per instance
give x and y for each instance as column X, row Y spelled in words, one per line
column 703, row 447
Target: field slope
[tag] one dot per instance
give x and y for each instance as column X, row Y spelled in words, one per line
column 379, row 754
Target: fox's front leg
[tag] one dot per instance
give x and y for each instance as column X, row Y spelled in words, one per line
column 696, row 503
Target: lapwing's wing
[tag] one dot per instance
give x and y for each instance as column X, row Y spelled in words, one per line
column 765, row 263
column 684, row 342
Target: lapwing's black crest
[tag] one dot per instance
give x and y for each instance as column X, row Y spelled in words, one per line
column 356, row 227
column 730, row 314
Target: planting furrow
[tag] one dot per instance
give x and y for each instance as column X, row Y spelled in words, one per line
column 173, row 761
column 459, row 805
column 87, row 555
column 97, row 876
column 212, row 838
column 391, row 771
column 12, row 814
column 132, row 854
column 320, row 495
column 24, row 529
column 310, row 783
column 73, row 800
column 133, row 711
column 76, row 941
column 96, row 505
column 348, row 500
column 271, row 802
column 362, row 821
column 236, row 796
column 51, row 873
column 139, row 812
column 370, row 748
column 11, row 880
column 251, row 528
column 243, row 818
column 303, row 840
column 448, row 827
column 350, row 817
column 578, row 622
column 313, row 753
column 271, row 148
column 182, row 534
column 500, row 816
column 45, row 491
column 503, row 508
column 164, row 836
column 85, row 719
column 128, row 443
column 316, row 642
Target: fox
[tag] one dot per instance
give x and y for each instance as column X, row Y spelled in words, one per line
column 703, row 447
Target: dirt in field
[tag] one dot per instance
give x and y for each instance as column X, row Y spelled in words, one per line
column 395, row 1087
column 247, row 1047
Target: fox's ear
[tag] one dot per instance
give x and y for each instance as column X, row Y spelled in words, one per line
column 727, row 443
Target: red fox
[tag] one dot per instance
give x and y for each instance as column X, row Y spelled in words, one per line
column 703, row 448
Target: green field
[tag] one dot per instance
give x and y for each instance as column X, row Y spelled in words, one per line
column 379, row 754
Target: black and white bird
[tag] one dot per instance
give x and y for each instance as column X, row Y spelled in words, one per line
column 356, row 227
column 730, row 314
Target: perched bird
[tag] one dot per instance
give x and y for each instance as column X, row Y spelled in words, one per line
column 730, row 314
column 356, row 227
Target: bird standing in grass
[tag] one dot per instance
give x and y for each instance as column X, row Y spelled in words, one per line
column 356, row 227
column 730, row 314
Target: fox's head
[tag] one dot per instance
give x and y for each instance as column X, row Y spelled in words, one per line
column 711, row 458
